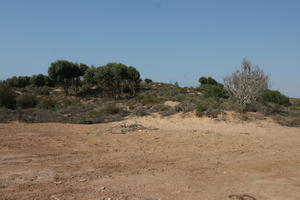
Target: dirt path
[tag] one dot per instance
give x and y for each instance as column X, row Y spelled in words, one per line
column 172, row 158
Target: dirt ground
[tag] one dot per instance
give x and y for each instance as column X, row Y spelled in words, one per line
column 150, row 158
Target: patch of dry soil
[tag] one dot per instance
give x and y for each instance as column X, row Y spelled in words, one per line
column 171, row 158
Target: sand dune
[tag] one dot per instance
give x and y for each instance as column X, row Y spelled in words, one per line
column 177, row 157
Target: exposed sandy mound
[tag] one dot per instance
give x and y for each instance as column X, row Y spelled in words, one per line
column 171, row 103
column 170, row 158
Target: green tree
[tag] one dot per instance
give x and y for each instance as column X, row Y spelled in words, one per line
column 89, row 76
column 115, row 78
column 63, row 72
column 134, row 79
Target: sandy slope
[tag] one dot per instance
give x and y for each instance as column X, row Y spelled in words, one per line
column 172, row 158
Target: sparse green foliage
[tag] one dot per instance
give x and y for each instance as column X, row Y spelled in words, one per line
column 7, row 96
column 275, row 97
column 150, row 100
column 296, row 106
column 43, row 90
column 46, row 103
column 181, row 99
column 200, row 109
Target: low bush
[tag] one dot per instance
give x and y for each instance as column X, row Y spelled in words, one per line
column 43, row 91
column 147, row 80
column 141, row 112
column 47, row 103
column 150, row 100
column 164, row 110
column 27, row 101
column 7, row 96
column 111, row 109
column 213, row 113
column 296, row 106
column 273, row 96
column 200, row 109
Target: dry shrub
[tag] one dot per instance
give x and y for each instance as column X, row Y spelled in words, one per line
column 291, row 121
column 185, row 107
column 164, row 110
column 247, row 84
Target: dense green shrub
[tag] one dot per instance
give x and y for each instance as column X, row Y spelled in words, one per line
column 49, row 82
column 217, row 91
column 7, row 96
column 38, row 80
column 276, row 97
column 43, row 91
column 147, row 80
column 202, row 80
column 211, row 81
column 18, row 81
column 207, row 81
column 27, row 101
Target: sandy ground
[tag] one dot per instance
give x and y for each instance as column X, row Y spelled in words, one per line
column 171, row 158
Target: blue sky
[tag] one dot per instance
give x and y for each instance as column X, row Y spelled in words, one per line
column 167, row 40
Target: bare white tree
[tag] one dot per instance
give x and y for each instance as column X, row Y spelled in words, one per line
column 248, row 83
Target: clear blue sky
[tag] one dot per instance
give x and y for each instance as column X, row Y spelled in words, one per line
column 167, row 40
